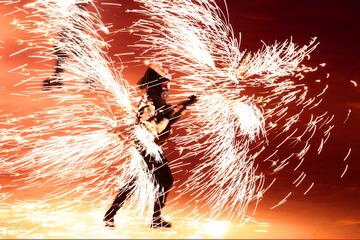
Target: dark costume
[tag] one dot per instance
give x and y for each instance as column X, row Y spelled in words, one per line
column 157, row 116
column 162, row 176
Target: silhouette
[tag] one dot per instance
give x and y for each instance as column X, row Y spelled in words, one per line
column 157, row 116
column 66, row 36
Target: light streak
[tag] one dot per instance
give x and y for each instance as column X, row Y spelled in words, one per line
column 354, row 83
column 299, row 180
column 112, row 4
column 347, row 116
column 321, row 146
column 18, row 52
column 306, row 192
column 17, row 68
column 343, row 173
column 347, row 155
column 282, row 201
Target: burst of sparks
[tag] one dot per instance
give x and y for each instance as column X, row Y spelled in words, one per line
column 249, row 108
column 70, row 145
column 249, row 103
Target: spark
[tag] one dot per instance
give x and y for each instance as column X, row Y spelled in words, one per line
column 306, row 192
column 17, row 68
column 347, row 116
column 354, row 83
column 300, row 179
column 282, row 201
column 321, row 146
column 347, row 155
column 18, row 52
column 346, row 168
column 112, row 4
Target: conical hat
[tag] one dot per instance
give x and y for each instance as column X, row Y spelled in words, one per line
column 152, row 78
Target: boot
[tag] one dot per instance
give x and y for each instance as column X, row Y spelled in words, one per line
column 160, row 223
column 109, row 222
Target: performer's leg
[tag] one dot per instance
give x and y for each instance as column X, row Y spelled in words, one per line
column 164, row 179
column 55, row 80
column 123, row 194
column 61, row 57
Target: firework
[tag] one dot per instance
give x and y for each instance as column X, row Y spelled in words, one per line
column 248, row 103
column 248, row 110
column 69, row 150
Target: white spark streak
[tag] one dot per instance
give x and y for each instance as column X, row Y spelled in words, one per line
column 18, row 52
column 354, row 83
column 306, row 192
column 347, row 116
column 347, row 155
column 282, row 201
column 343, row 173
column 300, row 179
column 17, row 68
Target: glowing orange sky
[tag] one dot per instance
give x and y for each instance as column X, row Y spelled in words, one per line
column 331, row 209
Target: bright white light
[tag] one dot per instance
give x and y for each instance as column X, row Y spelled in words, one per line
column 217, row 228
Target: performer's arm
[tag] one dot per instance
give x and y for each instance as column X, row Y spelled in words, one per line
column 180, row 108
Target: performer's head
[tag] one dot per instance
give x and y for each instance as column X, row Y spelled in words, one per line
column 155, row 83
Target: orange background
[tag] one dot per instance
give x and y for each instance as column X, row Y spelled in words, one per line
column 331, row 209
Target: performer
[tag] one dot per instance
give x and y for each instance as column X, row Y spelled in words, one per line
column 157, row 116
column 67, row 36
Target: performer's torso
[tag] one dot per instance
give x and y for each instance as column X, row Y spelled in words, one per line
column 156, row 119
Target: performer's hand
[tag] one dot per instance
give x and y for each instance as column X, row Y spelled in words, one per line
column 192, row 99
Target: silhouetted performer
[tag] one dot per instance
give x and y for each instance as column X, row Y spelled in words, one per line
column 67, row 36
column 157, row 116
